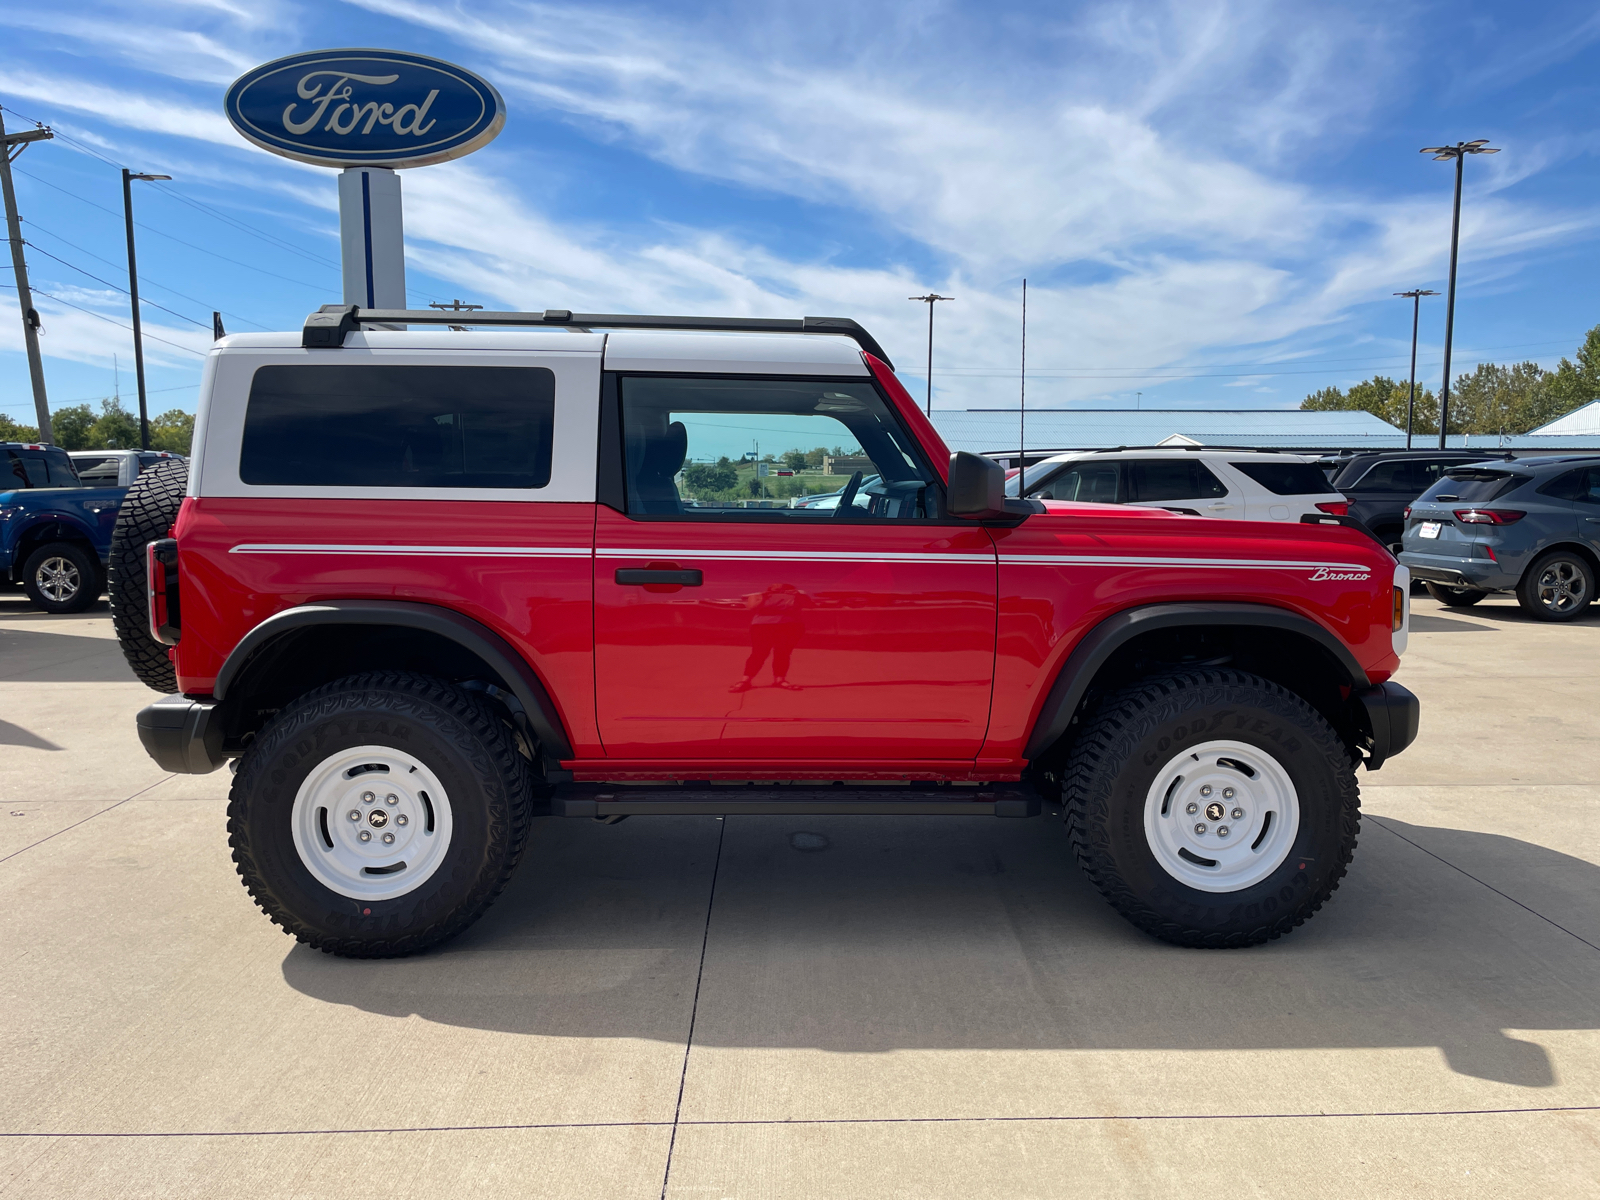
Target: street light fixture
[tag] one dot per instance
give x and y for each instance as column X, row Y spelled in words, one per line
column 1415, row 296
column 930, row 299
column 1459, row 153
column 133, row 291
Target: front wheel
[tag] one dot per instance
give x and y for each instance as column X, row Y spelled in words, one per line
column 1212, row 808
column 380, row 814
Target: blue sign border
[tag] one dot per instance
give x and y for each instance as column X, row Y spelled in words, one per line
column 480, row 132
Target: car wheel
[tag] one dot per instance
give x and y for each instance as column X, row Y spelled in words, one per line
column 1453, row 597
column 147, row 513
column 380, row 815
column 61, row 578
column 1212, row 808
column 1557, row 587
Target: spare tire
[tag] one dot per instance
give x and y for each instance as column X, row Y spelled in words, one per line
column 147, row 514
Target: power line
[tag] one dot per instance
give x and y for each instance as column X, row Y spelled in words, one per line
column 120, row 325
column 114, row 287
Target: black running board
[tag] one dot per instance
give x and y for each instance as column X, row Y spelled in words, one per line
column 606, row 800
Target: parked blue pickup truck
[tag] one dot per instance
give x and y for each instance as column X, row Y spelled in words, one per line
column 55, row 533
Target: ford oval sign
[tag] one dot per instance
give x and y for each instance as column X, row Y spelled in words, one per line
column 365, row 108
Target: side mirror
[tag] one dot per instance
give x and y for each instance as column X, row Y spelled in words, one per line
column 977, row 486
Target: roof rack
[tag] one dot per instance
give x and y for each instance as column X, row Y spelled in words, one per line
column 1190, row 449
column 326, row 328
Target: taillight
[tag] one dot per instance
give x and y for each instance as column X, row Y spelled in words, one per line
column 1336, row 508
column 1399, row 619
column 1407, row 513
column 1488, row 516
column 161, row 590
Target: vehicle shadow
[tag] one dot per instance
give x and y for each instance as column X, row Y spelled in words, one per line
column 865, row 934
column 36, row 655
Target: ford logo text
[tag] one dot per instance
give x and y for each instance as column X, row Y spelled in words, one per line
column 351, row 108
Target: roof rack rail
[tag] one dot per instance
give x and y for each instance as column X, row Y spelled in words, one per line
column 1192, row 449
column 326, row 328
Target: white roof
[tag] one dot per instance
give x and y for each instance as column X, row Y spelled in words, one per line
column 1580, row 421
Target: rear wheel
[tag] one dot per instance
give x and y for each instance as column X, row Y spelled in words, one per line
column 147, row 513
column 1453, row 597
column 1557, row 587
column 61, row 578
column 1212, row 808
column 380, row 815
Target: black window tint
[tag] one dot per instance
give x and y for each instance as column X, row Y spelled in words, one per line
column 1473, row 485
column 771, row 449
column 1155, row 479
column 371, row 426
column 38, row 469
column 1395, row 475
column 1287, row 478
column 1087, row 483
column 97, row 472
column 1590, row 491
column 1582, row 485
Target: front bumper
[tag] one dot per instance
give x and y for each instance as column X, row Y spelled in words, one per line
column 182, row 735
column 1392, row 716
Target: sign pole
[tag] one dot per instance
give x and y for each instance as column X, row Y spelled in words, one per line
column 372, row 240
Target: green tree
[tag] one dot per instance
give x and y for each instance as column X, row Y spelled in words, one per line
column 703, row 479
column 73, row 427
column 10, row 431
column 115, row 428
column 1495, row 399
column 795, row 460
column 1381, row 396
column 172, row 431
column 1574, row 384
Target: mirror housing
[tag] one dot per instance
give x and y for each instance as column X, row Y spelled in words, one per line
column 977, row 487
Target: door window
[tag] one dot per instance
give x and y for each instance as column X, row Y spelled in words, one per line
column 1155, row 479
column 1581, row 485
column 801, row 450
column 1087, row 483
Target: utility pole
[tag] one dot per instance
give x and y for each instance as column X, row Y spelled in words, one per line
column 133, row 290
column 30, row 315
column 1415, row 296
column 1459, row 153
column 1022, row 399
column 930, row 299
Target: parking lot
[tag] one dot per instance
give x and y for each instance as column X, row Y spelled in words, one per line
column 897, row 1007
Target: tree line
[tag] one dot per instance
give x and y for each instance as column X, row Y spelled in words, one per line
column 79, row 427
column 1492, row 399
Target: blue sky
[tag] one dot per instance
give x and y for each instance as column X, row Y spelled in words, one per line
column 1212, row 202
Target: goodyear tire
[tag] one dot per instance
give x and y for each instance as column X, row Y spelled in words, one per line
column 1212, row 808
column 147, row 513
column 379, row 815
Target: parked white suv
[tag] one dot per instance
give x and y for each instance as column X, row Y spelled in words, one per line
column 1241, row 485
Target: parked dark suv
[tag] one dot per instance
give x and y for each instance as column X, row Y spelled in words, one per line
column 1531, row 527
column 1379, row 485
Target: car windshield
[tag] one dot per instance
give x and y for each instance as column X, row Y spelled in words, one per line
column 1032, row 476
column 1472, row 485
column 1287, row 478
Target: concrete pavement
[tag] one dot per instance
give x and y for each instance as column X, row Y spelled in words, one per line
column 889, row 1007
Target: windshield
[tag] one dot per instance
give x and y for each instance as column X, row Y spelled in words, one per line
column 1472, row 485
column 1031, row 476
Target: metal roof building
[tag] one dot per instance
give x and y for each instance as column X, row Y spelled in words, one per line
column 1580, row 422
column 994, row 432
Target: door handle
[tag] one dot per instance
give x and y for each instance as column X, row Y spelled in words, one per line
column 643, row 575
column 1219, row 504
column 1593, row 520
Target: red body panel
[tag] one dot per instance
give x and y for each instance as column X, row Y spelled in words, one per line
column 825, row 642
column 540, row 604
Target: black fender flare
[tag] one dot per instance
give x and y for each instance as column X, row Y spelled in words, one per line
column 1095, row 647
column 467, row 633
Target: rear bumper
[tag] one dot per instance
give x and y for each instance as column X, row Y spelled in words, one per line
column 181, row 735
column 1453, row 571
column 1393, row 714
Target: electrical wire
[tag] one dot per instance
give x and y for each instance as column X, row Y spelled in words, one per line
column 150, row 337
column 114, row 287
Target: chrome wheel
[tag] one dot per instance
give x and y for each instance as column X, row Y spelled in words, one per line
column 58, row 579
column 371, row 823
column 1221, row 816
column 1562, row 586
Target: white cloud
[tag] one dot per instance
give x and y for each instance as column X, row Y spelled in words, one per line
column 134, row 110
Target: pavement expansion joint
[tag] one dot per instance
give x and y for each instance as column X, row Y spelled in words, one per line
column 1490, row 886
column 90, row 817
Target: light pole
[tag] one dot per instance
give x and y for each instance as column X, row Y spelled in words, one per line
column 133, row 291
column 1459, row 153
column 1415, row 296
column 11, row 145
column 930, row 299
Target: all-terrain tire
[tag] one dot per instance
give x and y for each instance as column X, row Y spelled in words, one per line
column 1138, row 733
column 147, row 514
column 1453, row 597
column 455, row 736
column 1558, row 586
column 61, row 577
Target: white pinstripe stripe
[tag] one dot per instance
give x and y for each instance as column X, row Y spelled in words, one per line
column 1150, row 560
column 426, row 551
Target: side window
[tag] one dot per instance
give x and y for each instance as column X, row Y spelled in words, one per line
column 97, row 472
column 1087, row 483
column 1589, row 492
column 769, row 449
column 1582, row 486
column 38, row 469
column 393, row 426
column 1157, row 479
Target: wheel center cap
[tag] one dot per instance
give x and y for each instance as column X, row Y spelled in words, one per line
column 1214, row 811
column 377, row 818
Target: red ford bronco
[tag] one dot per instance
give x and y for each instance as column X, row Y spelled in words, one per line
column 423, row 584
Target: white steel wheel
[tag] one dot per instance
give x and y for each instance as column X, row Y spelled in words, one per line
column 371, row 823
column 1221, row 816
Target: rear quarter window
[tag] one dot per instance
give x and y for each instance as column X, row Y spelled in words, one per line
column 1473, row 485
column 97, row 472
column 399, row 426
column 1287, row 478
column 38, row 469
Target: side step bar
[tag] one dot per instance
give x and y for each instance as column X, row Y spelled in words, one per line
column 610, row 800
